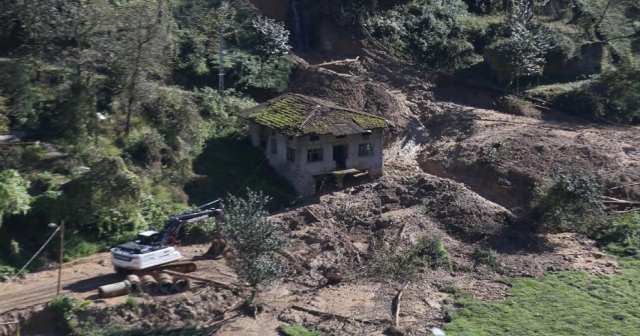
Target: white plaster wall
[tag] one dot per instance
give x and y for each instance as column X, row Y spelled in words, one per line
column 300, row 173
column 352, row 141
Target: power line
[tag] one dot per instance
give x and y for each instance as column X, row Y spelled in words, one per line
column 30, row 260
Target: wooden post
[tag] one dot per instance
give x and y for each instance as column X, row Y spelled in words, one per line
column 61, row 256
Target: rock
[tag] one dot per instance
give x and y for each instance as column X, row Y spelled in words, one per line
column 103, row 262
column 386, row 199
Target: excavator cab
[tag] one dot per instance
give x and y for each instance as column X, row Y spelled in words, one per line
column 147, row 238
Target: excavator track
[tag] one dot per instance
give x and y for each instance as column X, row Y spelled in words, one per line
column 181, row 267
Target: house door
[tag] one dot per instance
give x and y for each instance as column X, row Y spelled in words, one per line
column 340, row 156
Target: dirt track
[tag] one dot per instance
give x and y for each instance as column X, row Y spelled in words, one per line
column 82, row 278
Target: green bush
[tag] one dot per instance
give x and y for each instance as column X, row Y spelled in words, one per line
column 622, row 237
column 64, row 309
column 429, row 30
column 569, row 202
column 410, row 264
column 297, row 330
column 448, row 313
column 613, row 95
column 485, row 256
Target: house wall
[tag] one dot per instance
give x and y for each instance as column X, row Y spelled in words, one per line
column 301, row 173
column 327, row 165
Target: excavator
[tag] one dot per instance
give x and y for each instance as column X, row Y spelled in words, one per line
column 154, row 251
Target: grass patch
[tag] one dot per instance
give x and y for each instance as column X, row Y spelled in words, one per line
column 564, row 303
column 297, row 330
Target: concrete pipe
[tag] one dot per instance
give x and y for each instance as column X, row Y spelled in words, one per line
column 181, row 284
column 165, row 283
column 149, row 284
column 116, row 289
column 135, row 283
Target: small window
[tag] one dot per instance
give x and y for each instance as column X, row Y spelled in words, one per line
column 263, row 141
column 365, row 149
column 315, row 155
column 291, row 154
column 274, row 146
column 314, row 137
column 366, row 135
column 340, row 136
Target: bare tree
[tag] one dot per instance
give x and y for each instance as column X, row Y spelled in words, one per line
column 144, row 49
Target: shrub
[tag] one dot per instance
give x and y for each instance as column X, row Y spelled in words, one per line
column 297, row 330
column 614, row 96
column 569, row 202
column 428, row 30
column 409, row 264
column 64, row 309
column 435, row 252
column 448, row 313
column 485, row 256
column 622, row 237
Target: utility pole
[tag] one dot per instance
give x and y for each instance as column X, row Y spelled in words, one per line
column 221, row 72
column 61, row 255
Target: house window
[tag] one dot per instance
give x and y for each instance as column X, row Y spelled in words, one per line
column 274, row 146
column 340, row 136
column 315, row 155
column 263, row 141
column 314, row 138
column 365, row 149
column 262, row 133
column 291, row 154
column 366, row 135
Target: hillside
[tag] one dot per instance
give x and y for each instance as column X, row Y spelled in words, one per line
column 494, row 167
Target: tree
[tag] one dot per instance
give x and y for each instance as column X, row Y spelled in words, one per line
column 143, row 49
column 256, row 239
column 272, row 40
column 14, row 198
column 527, row 44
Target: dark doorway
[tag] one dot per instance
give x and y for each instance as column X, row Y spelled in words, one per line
column 340, row 156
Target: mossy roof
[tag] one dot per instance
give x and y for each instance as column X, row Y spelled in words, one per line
column 295, row 114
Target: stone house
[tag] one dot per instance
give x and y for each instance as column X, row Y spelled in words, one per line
column 307, row 140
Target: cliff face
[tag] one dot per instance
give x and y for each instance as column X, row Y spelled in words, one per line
column 309, row 30
column 275, row 9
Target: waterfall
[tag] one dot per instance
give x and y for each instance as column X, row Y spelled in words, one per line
column 300, row 25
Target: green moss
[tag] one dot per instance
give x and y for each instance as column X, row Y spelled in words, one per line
column 290, row 114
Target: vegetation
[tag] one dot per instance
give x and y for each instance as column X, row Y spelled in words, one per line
column 410, row 264
column 123, row 331
column 564, row 303
column 118, row 93
column 569, row 202
column 622, row 236
column 297, row 330
column 256, row 239
column 64, row 309
column 485, row 256
column 614, row 96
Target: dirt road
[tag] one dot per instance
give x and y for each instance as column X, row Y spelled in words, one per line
column 82, row 278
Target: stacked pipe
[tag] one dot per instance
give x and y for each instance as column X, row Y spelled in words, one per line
column 163, row 283
column 116, row 289
column 149, row 284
